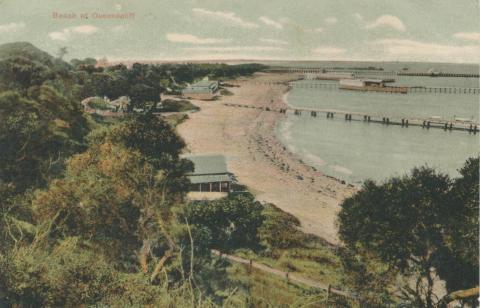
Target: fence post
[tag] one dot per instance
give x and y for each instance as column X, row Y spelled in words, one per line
column 328, row 292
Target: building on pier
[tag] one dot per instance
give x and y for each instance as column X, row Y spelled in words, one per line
column 377, row 85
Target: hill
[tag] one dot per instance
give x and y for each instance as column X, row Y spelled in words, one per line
column 29, row 51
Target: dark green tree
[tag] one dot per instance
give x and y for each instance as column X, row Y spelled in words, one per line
column 458, row 264
column 233, row 222
column 402, row 223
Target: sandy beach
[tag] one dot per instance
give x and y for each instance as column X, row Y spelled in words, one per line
column 247, row 138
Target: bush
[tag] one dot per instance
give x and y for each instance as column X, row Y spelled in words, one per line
column 280, row 229
column 170, row 105
column 233, row 221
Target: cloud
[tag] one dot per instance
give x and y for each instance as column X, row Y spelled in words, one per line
column 192, row 39
column 468, row 36
column 316, row 30
column 410, row 50
column 271, row 22
column 331, row 20
column 235, row 48
column 273, row 41
column 66, row 33
column 11, row 27
column 119, row 28
column 387, row 21
column 328, row 50
column 228, row 17
column 358, row 16
column 85, row 29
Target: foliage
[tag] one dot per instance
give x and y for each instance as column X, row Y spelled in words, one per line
column 36, row 133
column 280, row 230
column 233, row 222
column 99, row 199
column 405, row 223
column 74, row 274
column 460, row 256
column 98, row 103
column 170, row 105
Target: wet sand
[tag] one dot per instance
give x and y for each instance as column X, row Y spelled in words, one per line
column 247, row 138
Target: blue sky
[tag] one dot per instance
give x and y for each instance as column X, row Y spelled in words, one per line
column 372, row 30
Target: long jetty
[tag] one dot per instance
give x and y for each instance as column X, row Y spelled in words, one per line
column 370, row 72
column 446, row 90
column 426, row 123
column 335, row 86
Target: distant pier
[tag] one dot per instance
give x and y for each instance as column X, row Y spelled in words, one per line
column 335, row 86
column 368, row 72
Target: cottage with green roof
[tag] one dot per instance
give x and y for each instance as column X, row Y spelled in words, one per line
column 204, row 89
column 210, row 178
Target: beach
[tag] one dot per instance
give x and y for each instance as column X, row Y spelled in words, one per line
column 246, row 137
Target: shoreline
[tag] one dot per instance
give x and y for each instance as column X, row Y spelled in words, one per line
column 247, row 137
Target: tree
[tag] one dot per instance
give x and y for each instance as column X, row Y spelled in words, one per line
column 460, row 254
column 101, row 198
column 233, row 221
column 62, row 51
column 421, row 226
column 402, row 223
column 36, row 134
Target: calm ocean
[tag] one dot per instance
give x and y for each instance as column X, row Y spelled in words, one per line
column 354, row 151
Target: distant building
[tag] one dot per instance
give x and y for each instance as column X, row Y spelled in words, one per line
column 360, row 83
column 204, row 89
column 331, row 76
column 377, row 85
column 105, row 107
column 210, row 178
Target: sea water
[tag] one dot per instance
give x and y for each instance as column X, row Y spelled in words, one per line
column 355, row 151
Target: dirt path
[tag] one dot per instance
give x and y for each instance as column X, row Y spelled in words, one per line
column 288, row 276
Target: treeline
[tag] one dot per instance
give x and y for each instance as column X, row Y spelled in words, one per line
column 143, row 83
column 23, row 66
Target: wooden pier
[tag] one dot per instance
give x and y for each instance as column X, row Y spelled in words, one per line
column 368, row 72
column 452, row 75
column 427, row 123
column 335, row 86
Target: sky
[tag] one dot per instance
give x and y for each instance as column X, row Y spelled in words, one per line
column 359, row 30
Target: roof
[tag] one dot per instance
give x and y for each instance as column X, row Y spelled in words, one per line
column 208, row 164
column 210, row 178
column 373, row 80
column 204, row 83
column 208, row 168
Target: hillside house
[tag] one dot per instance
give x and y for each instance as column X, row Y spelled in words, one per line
column 210, row 178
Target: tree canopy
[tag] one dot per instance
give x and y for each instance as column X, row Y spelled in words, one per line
column 421, row 226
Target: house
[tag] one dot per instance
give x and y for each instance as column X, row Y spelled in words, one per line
column 204, row 89
column 105, row 107
column 210, row 178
